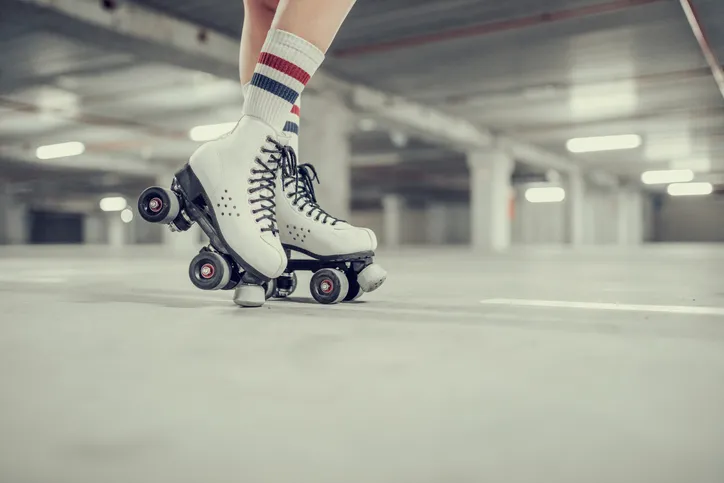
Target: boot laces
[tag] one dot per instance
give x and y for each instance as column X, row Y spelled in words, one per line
column 304, row 196
column 263, row 181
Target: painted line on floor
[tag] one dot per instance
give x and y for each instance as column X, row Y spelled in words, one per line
column 560, row 304
column 442, row 312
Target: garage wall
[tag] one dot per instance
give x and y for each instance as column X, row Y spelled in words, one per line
column 689, row 219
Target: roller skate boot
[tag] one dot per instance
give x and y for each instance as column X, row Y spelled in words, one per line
column 339, row 254
column 228, row 187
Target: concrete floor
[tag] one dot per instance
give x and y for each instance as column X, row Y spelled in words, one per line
column 601, row 365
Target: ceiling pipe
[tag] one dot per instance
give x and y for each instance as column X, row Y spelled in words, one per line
column 693, row 18
column 495, row 27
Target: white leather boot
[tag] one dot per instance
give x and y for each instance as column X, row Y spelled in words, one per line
column 237, row 175
column 307, row 228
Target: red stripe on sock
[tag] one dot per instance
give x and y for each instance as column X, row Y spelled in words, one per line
column 295, row 109
column 284, row 66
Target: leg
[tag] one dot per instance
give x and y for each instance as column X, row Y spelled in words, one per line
column 258, row 17
column 316, row 21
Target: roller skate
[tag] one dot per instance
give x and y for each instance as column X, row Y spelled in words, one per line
column 339, row 255
column 228, row 187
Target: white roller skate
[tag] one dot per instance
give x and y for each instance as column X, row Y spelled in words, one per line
column 228, row 187
column 341, row 254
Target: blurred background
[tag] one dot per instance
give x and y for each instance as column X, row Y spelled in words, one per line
column 545, row 177
column 434, row 122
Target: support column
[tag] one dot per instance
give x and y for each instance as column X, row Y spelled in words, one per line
column 623, row 235
column 575, row 206
column 14, row 229
column 392, row 206
column 324, row 142
column 630, row 217
column 94, row 228
column 490, row 193
column 436, row 218
column 116, row 230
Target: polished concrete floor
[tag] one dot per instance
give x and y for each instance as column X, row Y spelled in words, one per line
column 600, row 365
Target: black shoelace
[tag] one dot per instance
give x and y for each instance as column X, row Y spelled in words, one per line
column 304, row 197
column 265, row 184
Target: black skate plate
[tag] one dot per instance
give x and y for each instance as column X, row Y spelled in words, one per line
column 199, row 208
column 358, row 259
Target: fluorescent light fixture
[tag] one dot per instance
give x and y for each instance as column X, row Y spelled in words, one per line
column 127, row 216
column 113, row 203
column 690, row 189
column 549, row 194
column 62, row 150
column 603, row 143
column 211, row 131
column 667, row 176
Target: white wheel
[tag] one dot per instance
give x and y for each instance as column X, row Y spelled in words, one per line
column 247, row 295
column 372, row 277
column 210, row 271
column 329, row 286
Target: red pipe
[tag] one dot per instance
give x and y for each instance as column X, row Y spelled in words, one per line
column 494, row 27
column 693, row 18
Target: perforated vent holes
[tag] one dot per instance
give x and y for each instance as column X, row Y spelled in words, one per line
column 298, row 233
column 227, row 205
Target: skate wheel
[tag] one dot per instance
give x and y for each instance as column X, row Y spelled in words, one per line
column 270, row 289
column 286, row 285
column 355, row 291
column 210, row 271
column 159, row 205
column 371, row 277
column 329, row 286
column 248, row 295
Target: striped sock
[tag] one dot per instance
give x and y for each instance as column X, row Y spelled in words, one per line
column 291, row 127
column 285, row 65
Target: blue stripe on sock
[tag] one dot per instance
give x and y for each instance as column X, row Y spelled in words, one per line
column 291, row 127
column 274, row 87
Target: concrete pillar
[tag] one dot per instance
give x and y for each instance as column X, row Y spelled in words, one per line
column 14, row 223
column 575, row 207
column 324, row 142
column 94, row 229
column 392, row 207
column 436, row 224
column 17, row 229
column 116, row 230
column 6, row 201
column 630, row 217
column 490, row 197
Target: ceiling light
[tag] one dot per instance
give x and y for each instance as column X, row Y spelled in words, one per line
column 113, row 203
column 127, row 216
column 603, row 143
column 549, row 194
column 211, row 131
column 62, row 150
column 667, row 176
column 690, row 189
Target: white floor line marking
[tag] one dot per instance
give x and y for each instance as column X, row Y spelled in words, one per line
column 390, row 311
column 669, row 309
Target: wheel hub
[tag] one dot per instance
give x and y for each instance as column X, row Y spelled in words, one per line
column 155, row 205
column 326, row 286
column 207, row 271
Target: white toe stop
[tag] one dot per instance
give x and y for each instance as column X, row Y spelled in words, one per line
column 371, row 277
column 249, row 295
